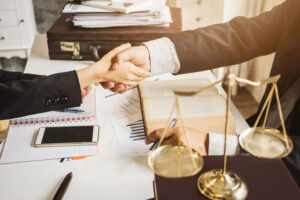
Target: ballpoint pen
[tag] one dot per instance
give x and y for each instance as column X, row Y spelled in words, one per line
column 70, row 110
column 171, row 124
column 63, row 187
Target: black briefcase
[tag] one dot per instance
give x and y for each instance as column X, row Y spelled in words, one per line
column 67, row 42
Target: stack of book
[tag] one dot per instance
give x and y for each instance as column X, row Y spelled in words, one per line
column 103, row 14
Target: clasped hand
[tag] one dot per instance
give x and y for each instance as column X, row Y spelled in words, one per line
column 119, row 69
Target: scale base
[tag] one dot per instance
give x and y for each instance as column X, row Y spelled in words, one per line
column 216, row 186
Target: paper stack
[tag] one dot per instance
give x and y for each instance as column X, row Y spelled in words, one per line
column 102, row 14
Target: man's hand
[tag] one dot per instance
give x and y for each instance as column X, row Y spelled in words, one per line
column 127, row 74
column 174, row 136
column 97, row 72
column 139, row 56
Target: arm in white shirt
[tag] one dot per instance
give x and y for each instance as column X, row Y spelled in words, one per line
column 163, row 58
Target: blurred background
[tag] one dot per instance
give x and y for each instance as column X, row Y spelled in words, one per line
column 26, row 18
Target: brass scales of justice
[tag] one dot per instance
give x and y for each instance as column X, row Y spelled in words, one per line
column 177, row 161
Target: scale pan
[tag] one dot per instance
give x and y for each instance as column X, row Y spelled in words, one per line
column 267, row 143
column 175, row 161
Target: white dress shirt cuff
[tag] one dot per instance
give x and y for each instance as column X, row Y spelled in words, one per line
column 163, row 56
column 216, row 144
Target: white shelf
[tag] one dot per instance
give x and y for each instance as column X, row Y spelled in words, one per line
column 17, row 28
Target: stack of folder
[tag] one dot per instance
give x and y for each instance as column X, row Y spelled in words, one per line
column 103, row 14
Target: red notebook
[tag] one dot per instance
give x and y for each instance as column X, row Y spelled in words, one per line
column 265, row 179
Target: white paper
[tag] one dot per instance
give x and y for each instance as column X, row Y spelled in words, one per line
column 127, row 6
column 19, row 147
column 162, row 17
column 77, row 8
column 126, row 108
column 128, row 144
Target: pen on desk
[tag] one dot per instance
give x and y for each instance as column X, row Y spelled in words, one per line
column 63, row 187
column 70, row 110
column 171, row 124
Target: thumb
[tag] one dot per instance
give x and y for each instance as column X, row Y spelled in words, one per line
column 115, row 66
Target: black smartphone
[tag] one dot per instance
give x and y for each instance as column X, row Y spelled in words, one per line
column 67, row 136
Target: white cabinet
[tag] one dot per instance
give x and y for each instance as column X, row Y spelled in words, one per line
column 17, row 27
column 199, row 13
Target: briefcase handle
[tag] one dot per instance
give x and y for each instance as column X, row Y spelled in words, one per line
column 95, row 54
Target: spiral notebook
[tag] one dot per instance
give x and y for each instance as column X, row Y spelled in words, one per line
column 18, row 144
column 88, row 107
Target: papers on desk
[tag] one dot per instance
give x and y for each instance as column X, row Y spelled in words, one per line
column 122, row 6
column 127, row 144
column 102, row 14
column 77, row 8
column 127, row 6
column 125, row 108
column 102, row 20
column 18, row 147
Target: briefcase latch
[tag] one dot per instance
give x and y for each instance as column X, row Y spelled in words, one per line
column 72, row 47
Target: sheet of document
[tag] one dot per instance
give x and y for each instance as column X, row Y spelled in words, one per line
column 19, row 147
column 126, row 108
column 113, row 20
column 77, row 8
column 129, row 141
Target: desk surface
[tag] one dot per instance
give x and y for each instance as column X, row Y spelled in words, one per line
column 113, row 174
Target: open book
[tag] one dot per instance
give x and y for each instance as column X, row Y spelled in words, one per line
column 204, row 111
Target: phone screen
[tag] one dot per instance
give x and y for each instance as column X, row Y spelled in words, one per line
column 67, row 134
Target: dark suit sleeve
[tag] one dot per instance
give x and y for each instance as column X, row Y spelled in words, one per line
column 230, row 43
column 40, row 94
column 6, row 76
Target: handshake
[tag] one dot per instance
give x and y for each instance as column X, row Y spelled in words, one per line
column 125, row 67
column 121, row 68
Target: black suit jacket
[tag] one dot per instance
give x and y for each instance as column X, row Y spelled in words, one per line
column 242, row 39
column 24, row 94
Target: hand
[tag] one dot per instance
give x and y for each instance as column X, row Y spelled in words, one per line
column 127, row 74
column 138, row 55
column 174, row 136
column 97, row 72
column 85, row 91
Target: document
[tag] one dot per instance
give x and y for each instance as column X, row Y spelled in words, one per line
column 129, row 142
column 18, row 147
column 100, row 20
column 125, row 108
column 78, row 8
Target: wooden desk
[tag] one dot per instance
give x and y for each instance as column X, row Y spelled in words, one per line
column 113, row 174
